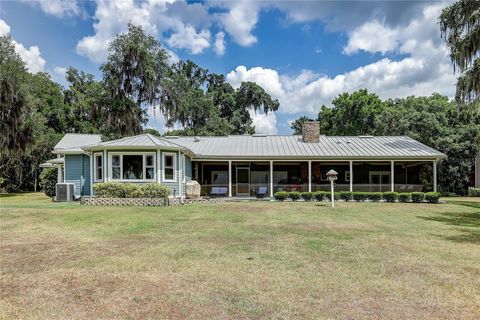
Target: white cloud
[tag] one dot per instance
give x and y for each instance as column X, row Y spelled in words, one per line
column 427, row 68
column 187, row 38
column 31, row 56
column 220, row 43
column 240, row 20
column 186, row 23
column 61, row 71
column 264, row 123
column 58, row 8
column 4, row 28
column 373, row 36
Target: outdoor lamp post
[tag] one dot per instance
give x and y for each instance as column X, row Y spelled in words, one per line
column 332, row 176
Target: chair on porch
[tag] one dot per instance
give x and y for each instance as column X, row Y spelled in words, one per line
column 219, row 192
column 261, row 192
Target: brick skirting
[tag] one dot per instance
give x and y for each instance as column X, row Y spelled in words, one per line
column 88, row 201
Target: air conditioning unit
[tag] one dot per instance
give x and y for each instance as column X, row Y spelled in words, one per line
column 65, row 192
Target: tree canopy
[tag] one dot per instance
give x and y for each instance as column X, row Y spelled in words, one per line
column 460, row 26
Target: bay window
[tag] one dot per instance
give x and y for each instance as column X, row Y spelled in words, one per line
column 169, row 162
column 135, row 167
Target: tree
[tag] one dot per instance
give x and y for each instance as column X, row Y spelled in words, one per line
column 297, row 125
column 460, row 26
column 133, row 75
column 15, row 107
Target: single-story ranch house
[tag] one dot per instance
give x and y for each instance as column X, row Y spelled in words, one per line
column 241, row 165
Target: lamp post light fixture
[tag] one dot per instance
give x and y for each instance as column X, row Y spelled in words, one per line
column 332, row 176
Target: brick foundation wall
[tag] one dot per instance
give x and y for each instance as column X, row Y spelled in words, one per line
column 145, row 201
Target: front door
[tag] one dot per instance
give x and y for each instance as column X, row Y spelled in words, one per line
column 243, row 181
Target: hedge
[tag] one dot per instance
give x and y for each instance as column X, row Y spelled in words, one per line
column 359, row 196
column 280, row 195
column 418, row 197
column 345, row 195
column 390, row 196
column 320, row 195
column 374, row 196
column 294, row 195
column 48, row 180
column 307, row 196
column 432, row 197
column 474, row 192
column 404, row 197
column 130, row 190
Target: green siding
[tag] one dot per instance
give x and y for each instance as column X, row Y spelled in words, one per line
column 77, row 171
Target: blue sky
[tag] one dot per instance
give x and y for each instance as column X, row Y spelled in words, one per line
column 304, row 53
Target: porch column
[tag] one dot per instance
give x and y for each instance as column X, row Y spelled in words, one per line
column 271, row 179
column 392, row 176
column 59, row 173
column 309, row 176
column 229, row 178
column 434, row 176
column 351, row 176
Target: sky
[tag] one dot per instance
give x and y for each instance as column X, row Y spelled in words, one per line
column 303, row 53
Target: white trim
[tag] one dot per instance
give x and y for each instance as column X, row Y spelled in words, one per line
column 392, row 176
column 435, row 176
column 159, row 168
column 230, row 178
column 271, row 179
column 144, row 167
column 95, row 179
column 309, row 176
column 351, row 175
column 174, row 162
column 91, row 173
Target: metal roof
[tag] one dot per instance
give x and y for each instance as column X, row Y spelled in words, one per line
column 140, row 141
column 328, row 147
column 71, row 142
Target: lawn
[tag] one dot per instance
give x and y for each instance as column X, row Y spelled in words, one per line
column 239, row 260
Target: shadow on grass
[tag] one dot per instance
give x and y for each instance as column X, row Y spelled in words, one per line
column 8, row 195
column 468, row 223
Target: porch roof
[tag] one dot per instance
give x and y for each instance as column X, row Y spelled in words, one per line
column 328, row 147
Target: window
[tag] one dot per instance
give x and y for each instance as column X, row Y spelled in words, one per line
column 133, row 167
column 169, row 166
column 98, row 167
column 116, row 167
column 347, row 176
column 149, row 167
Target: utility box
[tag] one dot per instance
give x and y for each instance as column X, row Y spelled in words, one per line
column 64, row 192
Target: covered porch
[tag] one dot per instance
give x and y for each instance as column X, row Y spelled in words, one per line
column 262, row 178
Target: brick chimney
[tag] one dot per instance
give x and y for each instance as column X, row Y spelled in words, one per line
column 311, row 131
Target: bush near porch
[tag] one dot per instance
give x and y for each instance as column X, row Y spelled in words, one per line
column 130, row 190
column 430, row 197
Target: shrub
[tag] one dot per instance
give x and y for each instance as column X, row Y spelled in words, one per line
column 155, row 190
column 474, row 192
column 390, row 196
column 359, row 196
column 319, row 195
column 375, row 196
column 336, row 195
column 418, row 197
column 404, row 197
column 294, row 195
column 432, row 197
column 307, row 196
column 48, row 180
column 280, row 195
column 345, row 195
column 130, row 190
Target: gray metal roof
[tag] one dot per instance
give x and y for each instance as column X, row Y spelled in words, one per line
column 335, row 147
column 140, row 141
column 71, row 142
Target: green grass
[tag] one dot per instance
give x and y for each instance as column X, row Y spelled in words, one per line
column 239, row 260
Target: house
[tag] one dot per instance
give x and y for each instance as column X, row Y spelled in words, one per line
column 240, row 165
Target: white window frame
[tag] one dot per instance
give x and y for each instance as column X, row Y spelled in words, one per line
column 174, row 166
column 144, row 168
column 95, row 167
